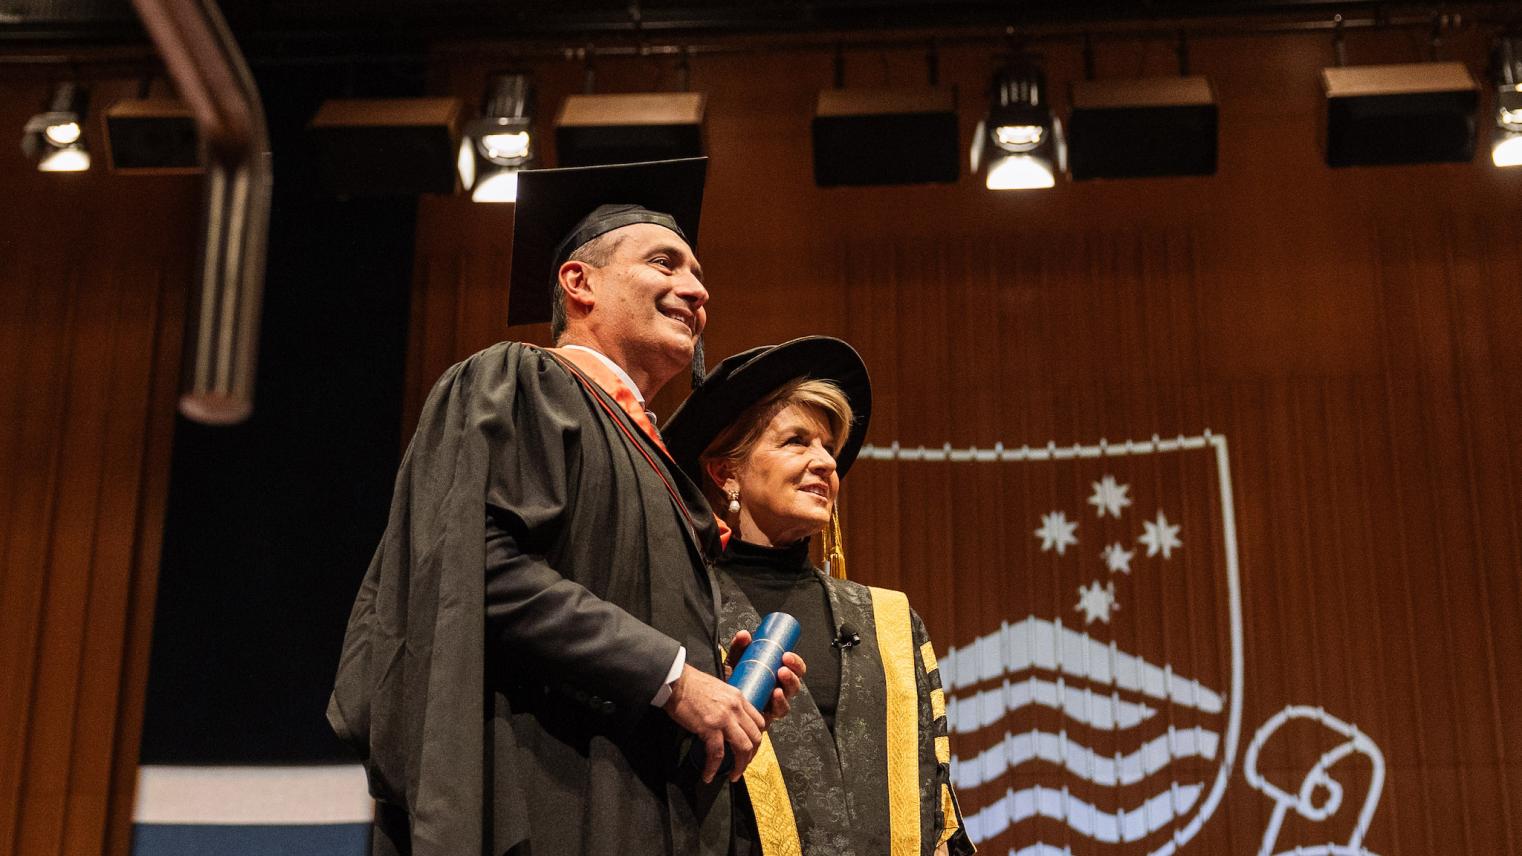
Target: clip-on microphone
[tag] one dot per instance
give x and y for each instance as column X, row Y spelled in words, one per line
column 847, row 637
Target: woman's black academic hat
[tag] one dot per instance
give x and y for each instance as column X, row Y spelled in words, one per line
column 749, row 376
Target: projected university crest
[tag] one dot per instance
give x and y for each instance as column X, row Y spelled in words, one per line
column 1104, row 715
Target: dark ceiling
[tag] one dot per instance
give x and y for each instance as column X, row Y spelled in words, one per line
column 82, row 22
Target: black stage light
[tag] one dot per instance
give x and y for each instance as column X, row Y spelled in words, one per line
column 152, row 136
column 1506, row 145
column 1019, row 145
column 500, row 143
column 54, row 138
column 627, row 128
column 1142, row 128
column 886, row 136
column 1395, row 114
column 387, row 146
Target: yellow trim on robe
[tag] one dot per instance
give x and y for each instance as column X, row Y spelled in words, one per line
column 927, row 653
column 775, row 823
column 937, row 703
column 895, row 640
column 948, row 808
column 943, row 749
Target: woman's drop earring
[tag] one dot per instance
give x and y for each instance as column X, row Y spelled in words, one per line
column 734, row 501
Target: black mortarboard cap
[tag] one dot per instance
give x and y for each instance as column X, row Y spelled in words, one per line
column 558, row 210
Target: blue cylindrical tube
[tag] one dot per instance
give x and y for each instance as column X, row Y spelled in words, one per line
column 756, row 673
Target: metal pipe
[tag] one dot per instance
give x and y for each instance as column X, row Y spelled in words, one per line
column 222, row 344
column 527, row 47
column 530, row 48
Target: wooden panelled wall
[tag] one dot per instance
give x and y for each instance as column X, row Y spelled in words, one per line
column 1353, row 334
column 93, row 281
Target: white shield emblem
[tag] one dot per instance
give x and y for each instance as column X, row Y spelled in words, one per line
column 1104, row 715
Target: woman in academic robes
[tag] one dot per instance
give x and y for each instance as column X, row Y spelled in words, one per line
column 861, row 766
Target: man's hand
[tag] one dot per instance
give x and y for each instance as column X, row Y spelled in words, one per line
column 789, row 677
column 717, row 714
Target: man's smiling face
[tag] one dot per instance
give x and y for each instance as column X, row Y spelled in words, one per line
column 650, row 296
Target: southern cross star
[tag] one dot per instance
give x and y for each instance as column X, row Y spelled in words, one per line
column 1117, row 558
column 1056, row 532
column 1110, row 496
column 1160, row 537
column 1095, row 601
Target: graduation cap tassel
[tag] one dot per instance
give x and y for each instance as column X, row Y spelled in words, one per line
column 699, row 370
column 834, row 548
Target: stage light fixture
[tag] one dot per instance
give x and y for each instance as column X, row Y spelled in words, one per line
column 625, row 128
column 54, row 138
column 1019, row 145
column 885, row 136
column 1143, row 127
column 152, row 136
column 1399, row 114
column 62, row 133
column 500, row 143
column 369, row 147
column 1506, row 145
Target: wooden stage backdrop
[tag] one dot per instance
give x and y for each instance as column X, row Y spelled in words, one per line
column 1291, row 620
column 94, row 276
column 1297, row 627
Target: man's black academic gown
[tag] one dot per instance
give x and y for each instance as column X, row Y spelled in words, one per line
column 500, row 697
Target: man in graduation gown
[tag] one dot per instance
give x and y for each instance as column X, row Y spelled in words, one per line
column 535, row 642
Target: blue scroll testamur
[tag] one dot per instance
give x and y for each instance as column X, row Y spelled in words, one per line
column 756, row 673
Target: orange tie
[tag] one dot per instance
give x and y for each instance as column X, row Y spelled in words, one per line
column 604, row 377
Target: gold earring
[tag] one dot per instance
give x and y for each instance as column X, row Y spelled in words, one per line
column 734, row 501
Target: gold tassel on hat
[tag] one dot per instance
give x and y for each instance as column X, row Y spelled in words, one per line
column 834, row 547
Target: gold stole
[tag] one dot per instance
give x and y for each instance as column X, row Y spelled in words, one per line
column 895, row 644
column 763, row 778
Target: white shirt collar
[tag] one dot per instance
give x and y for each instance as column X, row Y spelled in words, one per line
column 616, row 369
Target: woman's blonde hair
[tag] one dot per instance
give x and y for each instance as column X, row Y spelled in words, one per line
column 734, row 443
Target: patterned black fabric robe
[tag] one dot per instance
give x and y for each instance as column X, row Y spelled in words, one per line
column 839, row 790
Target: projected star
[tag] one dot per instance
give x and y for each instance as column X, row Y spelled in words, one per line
column 1160, row 537
column 1117, row 558
column 1110, row 496
column 1096, row 602
column 1056, row 532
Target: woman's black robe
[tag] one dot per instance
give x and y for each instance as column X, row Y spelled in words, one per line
column 880, row 785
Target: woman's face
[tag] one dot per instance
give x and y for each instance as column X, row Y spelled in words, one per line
column 788, row 482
